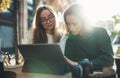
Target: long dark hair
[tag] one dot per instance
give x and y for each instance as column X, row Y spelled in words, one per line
column 40, row 35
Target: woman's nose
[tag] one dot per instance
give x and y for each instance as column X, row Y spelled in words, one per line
column 47, row 21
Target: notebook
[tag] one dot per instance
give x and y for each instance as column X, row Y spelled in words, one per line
column 42, row 58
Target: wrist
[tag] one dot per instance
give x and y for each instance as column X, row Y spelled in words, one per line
column 76, row 67
column 73, row 63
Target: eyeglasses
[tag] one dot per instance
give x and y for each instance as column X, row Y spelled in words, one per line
column 49, row 19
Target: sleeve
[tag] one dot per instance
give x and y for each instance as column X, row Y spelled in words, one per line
column 62, row 43
column 104, row 46
column 68, row 50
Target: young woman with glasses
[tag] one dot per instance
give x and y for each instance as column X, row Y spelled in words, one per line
column 45, row 24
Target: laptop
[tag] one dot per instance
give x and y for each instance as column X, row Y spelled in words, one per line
column 42, row 58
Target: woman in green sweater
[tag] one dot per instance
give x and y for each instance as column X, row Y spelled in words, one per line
column 88, row 48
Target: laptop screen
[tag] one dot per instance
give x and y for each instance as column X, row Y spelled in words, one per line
column 42, row 58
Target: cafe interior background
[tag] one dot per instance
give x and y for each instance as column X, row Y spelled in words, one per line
column 16, row 21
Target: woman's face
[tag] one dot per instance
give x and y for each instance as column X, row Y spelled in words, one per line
column 48, row 20
column 74, row 24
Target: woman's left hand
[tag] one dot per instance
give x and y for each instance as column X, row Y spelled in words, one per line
column 70, row 62
column 108, row 71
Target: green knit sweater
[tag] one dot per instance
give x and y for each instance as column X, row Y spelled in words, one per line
column 95, row 45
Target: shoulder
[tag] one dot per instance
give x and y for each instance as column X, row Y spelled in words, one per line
column 100, row 31
column 64, row 37
column 101, row 34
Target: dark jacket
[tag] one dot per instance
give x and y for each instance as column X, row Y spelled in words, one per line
column 95, row 46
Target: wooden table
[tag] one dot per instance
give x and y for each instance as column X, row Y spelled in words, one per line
column 20, row 74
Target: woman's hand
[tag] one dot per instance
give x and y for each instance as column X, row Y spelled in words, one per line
column 70, row 62
column 108, row 71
